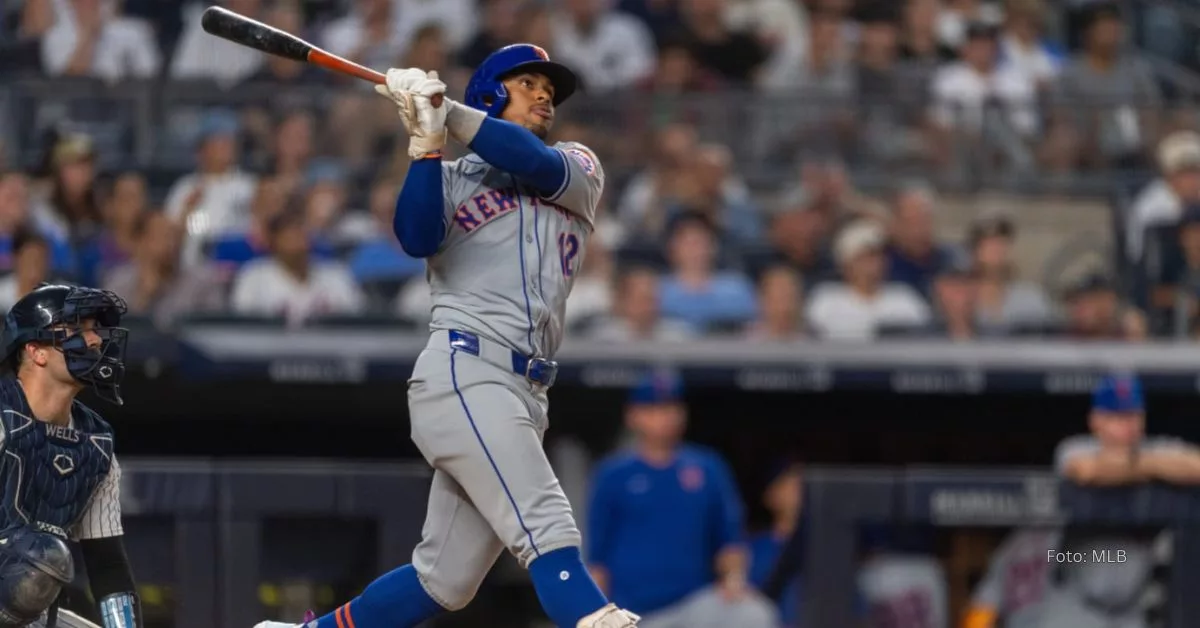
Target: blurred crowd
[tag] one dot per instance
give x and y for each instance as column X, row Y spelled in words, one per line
column 734, row 204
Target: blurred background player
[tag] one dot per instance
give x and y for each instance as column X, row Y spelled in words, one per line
column 665, row 523
column 1115, row 453
column 784, row 500
column 901, row 581
column 1018, row 582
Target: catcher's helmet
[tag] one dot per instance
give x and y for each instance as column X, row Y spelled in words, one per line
column 52, row 315
column 486, row 90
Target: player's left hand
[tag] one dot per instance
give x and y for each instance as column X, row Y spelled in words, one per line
column 401, row 80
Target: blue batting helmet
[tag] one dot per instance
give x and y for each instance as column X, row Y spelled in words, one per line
column 486, row 90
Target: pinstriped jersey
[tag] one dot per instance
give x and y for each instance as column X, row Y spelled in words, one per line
column 510, row 254
column 58, row 479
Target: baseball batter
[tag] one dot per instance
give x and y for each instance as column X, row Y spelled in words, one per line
column 60, row 478
column 504, row 231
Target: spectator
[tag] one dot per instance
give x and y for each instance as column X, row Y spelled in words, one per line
column 1005, row 303
column 156, row 285
column 920, row 43
column 117, row 242
column 292, row 148
column 956, row 16
column 1024, row 46
column 857, row 307
column 978, row 96
column 609, row 49
column 890, row 98
column 1095, row 312
column 954, row 301
column 380, row 258
column 1178, row 280
column 665, row 537
column 781, row 26
column 428, row 50
column 31, row 266
column 213, row 199
column 1106, row 95
column 662, row 16
column 780, row 292
column 678, row 75
column 783, row 499
column 695, row 291
column 290, row 283
column 14, row 215
column 1018, row 581
column 636, row 313
column 499, row 27
column 456, row 19
column 710, row 188
column 280, row 71
column 367, row 34
column 202, row 56
column 826, row 77
column 915, row 256
column 1162, row 201
column 641, row 208
column 325, row 200
column 91, row 38
column 233, row 249
column 1116, row 452
column 736, row 56
column 69, row 214
column 20, row 47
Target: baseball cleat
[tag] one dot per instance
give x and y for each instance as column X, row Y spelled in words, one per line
column 309, row 616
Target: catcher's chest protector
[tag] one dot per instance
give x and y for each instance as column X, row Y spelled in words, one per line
column 48, row 472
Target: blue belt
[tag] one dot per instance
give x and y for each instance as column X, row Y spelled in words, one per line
column 537, row 370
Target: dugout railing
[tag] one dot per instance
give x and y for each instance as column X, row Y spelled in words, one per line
column 231, row 522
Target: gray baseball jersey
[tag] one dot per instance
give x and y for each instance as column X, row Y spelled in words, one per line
column 904, row 591
column 502, row 274
column 1018, row 580
column 510, row 255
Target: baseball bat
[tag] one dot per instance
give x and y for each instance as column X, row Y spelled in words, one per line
column 254, row 34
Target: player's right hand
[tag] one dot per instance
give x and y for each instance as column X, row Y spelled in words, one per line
column 425, row 123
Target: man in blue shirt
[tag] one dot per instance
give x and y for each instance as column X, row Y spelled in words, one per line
column 665, row 524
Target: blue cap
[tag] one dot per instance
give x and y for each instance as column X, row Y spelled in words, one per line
column 1118, row 393
column 325, row 170
column 661, row 386
column 218, row 123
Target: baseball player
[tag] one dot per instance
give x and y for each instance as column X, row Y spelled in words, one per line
column 1018, row 581
column 61, row 480
column 503, row 232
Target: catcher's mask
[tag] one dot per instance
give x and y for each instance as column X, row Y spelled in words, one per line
column 57, row 315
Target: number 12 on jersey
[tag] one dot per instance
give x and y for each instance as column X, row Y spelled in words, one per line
column 568, row 250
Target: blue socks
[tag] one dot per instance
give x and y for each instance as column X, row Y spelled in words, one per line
column 564, row 587
column 395, row 600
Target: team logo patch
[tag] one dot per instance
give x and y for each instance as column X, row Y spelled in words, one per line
column 691, row 478
column 541, row 52
column 584, row 160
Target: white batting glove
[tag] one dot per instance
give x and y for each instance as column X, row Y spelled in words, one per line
column 400, row 80
column 426, row 124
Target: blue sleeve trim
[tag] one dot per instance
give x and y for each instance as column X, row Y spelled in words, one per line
column 517, row 151
column 562, row 189
column 420, row 219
